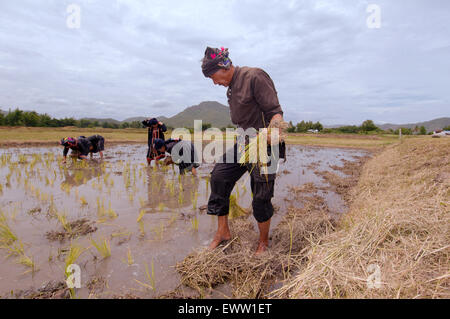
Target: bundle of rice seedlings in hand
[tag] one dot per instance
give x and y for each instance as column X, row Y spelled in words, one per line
column 235, row 209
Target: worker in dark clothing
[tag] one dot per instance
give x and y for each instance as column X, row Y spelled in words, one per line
column 182, row 153
column 80, row 147
column 98, row 144
column 156, row 129
column 253, row 104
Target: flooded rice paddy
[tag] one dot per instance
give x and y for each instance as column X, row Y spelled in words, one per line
column 125, row 224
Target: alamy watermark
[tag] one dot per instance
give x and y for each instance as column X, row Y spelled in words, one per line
column 374, row 279
column 73, row 280
column 73, row 20
column 253, row 146
column 374, row 19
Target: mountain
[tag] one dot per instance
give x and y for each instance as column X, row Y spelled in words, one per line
column 141, row 118
column 109, row 120
column 210, row 112
column 433, row 125
column 214, row 113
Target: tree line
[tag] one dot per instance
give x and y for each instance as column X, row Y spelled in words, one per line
column 34, row 119
column 366, row 127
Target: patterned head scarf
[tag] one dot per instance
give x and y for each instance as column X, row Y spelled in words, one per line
column 67, row 141
column 214, row 60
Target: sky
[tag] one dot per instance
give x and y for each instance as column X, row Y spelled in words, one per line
column 337, row 62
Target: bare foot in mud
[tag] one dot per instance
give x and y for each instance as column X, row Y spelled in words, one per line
column 262, row 247
column 218, row 239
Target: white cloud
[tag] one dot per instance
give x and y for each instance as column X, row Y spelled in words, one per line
column 141, row 58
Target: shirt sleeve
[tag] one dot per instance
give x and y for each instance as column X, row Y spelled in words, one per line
column 266, row 95
column 66, row 150
column 163, row 128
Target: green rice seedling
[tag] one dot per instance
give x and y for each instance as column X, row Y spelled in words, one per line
column 74, row 253
column 150, row 277
column 83, row 201
column 235, row 209
column 103, row 247
column 22, row 159
column 141, row 228
column 1, row 188
column 111, row 213
column 142, row 201
column 161, row 207
column 27, row 262
column 194, row 223
column 131, row 197
column 159, row 231
column 194, row 199
column 129, row 257
column 141, row 214
column 63, row 220
column 172, row 220
column 7, row 236
column 180, row 199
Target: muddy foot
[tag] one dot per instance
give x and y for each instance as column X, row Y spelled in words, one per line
column 262, row 247
column 218, row 240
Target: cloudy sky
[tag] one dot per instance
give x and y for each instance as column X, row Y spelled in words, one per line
column 142, row 58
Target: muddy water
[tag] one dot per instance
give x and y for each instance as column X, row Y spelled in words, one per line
column 114, row 195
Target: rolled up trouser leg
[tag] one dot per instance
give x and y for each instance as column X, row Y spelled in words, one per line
column 101, row 144
column 262, row 199
column 223, row 179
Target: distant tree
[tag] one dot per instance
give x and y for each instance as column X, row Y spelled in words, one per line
column 291, row 128
column 136, row 124
column 317, row 126
column 14, row 118
column 206, row 126
column 423, row 130
column 405, row 131
column 2, row 119
column 124, row 125
column 447, row 128
column 349, row 129
column 368, row 126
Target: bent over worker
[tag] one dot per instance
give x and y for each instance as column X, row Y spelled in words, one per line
column 156, row 130
column 98, row 144
column 182, row 153
column 80, row 147
column 254, row 104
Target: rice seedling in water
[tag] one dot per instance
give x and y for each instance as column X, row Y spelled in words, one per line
column 129, row 257
column 235, row 209
column 142, row 201
column 111, row 213
column 63, row 220
column 27, row 262
column 141, row 214
column 150, row 277
column 159, row 231
column 83, row 201
column 194, row 223
column 161, row 207
column 71, row 258
column 103, row 247
column 7, row 236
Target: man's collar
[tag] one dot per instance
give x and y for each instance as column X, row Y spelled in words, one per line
column 235, row 75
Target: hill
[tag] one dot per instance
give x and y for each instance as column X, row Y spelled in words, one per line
column 433, row 125
column 214, row 113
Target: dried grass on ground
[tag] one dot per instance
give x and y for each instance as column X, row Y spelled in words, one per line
column 399, row 220
column 252, row 276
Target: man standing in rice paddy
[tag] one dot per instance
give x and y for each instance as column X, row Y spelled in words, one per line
column 253, row 103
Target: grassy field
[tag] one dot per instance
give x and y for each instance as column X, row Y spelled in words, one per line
column 397, row 228
column 17, row 136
